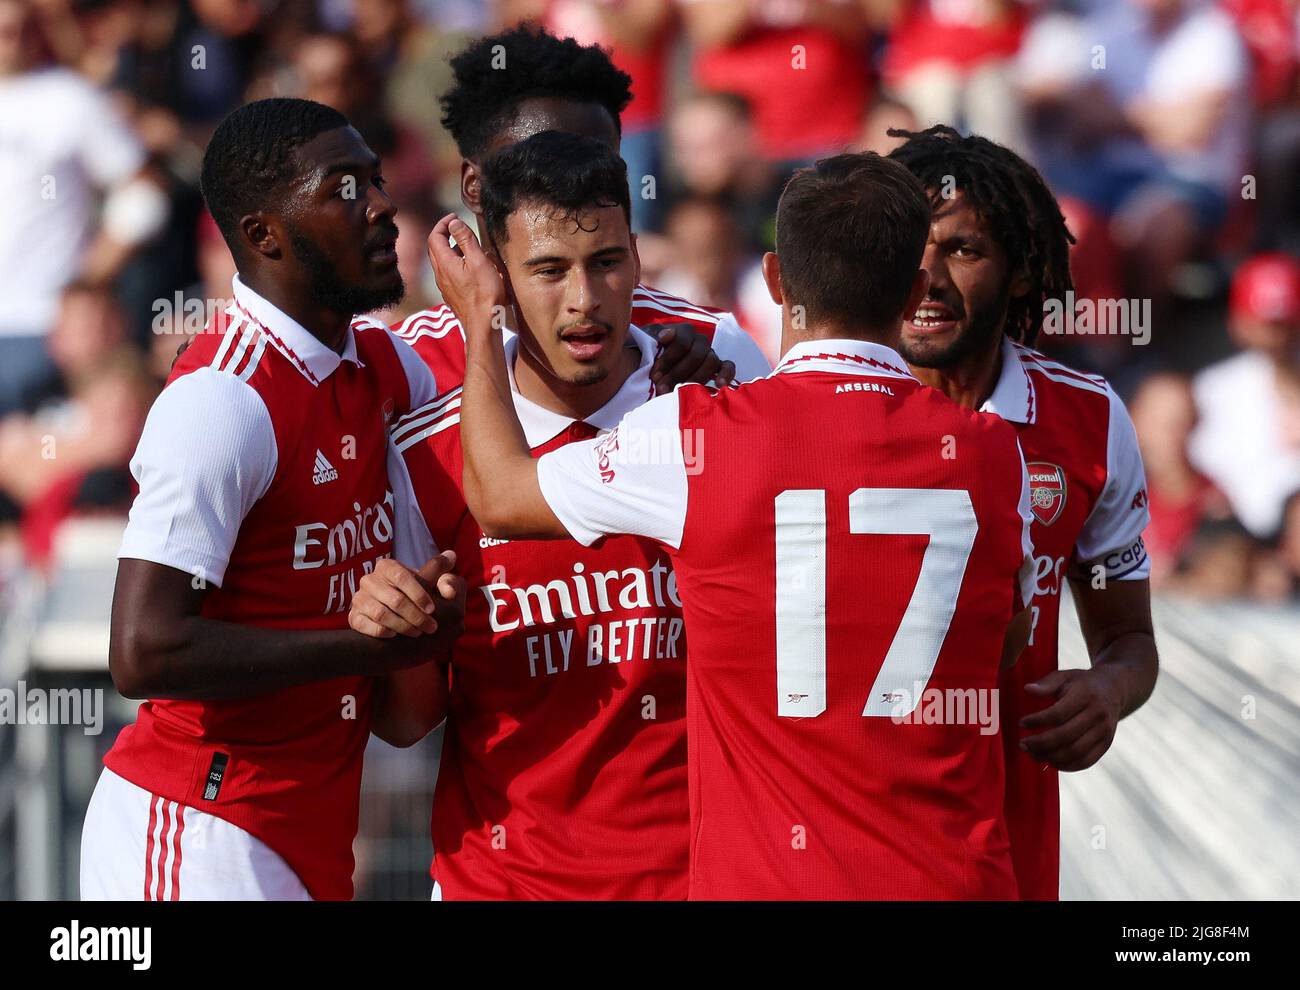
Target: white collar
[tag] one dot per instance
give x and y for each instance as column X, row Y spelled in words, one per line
column 1013, row 397
column 844, row 356
column 541, row 424
column 305, row 352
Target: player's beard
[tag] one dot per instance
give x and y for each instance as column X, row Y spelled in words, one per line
column 983, row 329
column 331, row 292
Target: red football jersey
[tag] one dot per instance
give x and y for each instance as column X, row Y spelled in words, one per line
column 1088, row 494
column 847, row 594
column 563, row 770
column 300, row 484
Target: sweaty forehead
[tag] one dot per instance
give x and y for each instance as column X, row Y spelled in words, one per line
column 329, row 152
column 957, row 213
column 552, row 113
column 540, row 227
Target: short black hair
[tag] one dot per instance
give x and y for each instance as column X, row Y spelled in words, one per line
column 569, row 172
column 250, row 159
column 496, row 73
column 850, row 234
column 1012, row 200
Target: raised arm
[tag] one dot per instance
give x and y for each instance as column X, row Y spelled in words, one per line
column 501, row 487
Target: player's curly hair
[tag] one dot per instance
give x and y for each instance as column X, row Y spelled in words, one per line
column 496, row 73
column 250, row 160
column 567, row 172
column 1012, row 198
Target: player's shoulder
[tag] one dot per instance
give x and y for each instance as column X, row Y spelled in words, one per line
column 433, row 426
column 1053, row 376
column 230, row 357
column 652, row 307
column 437, row 323
column 437, row 337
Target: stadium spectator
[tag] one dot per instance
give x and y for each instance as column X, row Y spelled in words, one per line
column 1179, row 497
column 1248, row 442
column 715, row 153
column 61, row 143
column 1141, row 110
column 46, row 455
column 801, row 66
column 638, row 34
column 885, row 114
column 950, row 62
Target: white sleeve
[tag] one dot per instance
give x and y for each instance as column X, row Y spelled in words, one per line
column 108, row 148
column 197, row 483
column 1112, row 535
column 732, row 343
column 1213, row 56
column 419, row 378
column 1025, row 577
column 631, row 481
column 413, row 544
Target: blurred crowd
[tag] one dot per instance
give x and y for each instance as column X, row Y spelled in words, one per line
column 1170, row 130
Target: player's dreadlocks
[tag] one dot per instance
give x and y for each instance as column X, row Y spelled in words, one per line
column 498, row 72
column 1012, row 198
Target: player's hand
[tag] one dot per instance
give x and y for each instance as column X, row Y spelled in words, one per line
column 685, row 356
column 185, row 346
column 394, row 600
column 1078, row 728
column 467, row 278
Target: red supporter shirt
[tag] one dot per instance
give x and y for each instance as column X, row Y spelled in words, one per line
column 262, row 471
column 580, row 20
column 808, row 88
column 958, row 34
column 850, row 547
column 1088, row 493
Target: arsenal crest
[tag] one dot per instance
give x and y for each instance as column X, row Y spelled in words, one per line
column 1046, row 491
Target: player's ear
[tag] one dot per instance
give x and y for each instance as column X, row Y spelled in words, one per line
column 470, row 186
column 920, row 286
column 772, row 276
column 262, row 234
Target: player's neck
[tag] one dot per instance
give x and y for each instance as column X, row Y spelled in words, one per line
column 969, row 383
column 537, row 384
column 830, row 331
column 326, row 325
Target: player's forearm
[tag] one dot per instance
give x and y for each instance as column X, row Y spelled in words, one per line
column 500, row 478
column 1131, row 662
column 410, row 704
column 195, row 658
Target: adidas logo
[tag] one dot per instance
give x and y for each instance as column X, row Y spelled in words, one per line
column 324, row 470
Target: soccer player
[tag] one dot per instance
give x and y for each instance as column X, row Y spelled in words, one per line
column 511, row 85
column 998, row 252
column 263, row 501
column 563, row 770
column 849, row 548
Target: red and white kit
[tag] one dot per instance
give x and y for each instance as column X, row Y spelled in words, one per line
column 262, row 472
column 563, row 772
column 865, row 565
column 438, row 337
column 1089, row 497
